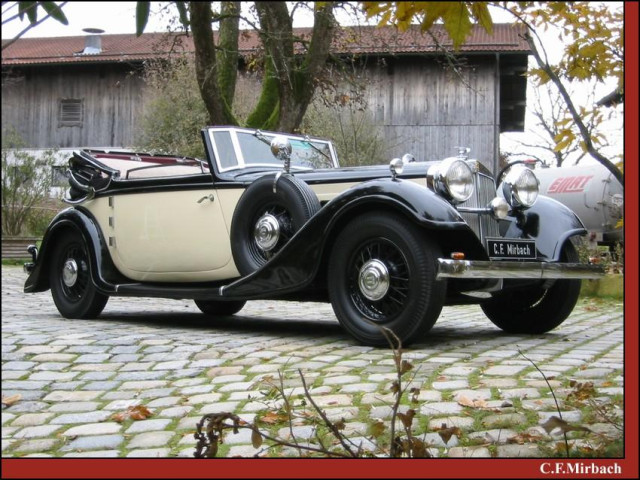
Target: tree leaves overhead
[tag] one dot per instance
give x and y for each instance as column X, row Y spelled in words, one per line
column 142, row 16
column 51, row 8
column 456, row 17
column 591, row 44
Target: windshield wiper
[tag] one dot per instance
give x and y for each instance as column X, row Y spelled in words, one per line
column 261, row 136
column 308, row 140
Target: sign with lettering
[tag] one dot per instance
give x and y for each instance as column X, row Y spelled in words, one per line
column 573, row 184
column 511, row 248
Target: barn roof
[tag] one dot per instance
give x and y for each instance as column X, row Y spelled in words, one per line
column 371, row 40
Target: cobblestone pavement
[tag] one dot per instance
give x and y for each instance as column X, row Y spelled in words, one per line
column 74, row 375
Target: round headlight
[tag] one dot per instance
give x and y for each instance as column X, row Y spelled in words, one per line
column 520, row 187
column 453, row 179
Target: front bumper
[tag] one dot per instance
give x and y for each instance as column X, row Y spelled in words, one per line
column 504, row 269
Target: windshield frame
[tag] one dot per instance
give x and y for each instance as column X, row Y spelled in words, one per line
column 241, row 164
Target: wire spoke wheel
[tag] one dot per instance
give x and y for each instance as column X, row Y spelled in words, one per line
column 267, row 216
column 382, row 274
column 70, row 280
column 379, row 280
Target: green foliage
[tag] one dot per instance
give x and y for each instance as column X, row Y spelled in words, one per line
column 357, row 140
column 175, row 113
column 31, row 10
column 26, row 184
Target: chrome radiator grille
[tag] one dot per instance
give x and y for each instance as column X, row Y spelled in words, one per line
column 483, row 225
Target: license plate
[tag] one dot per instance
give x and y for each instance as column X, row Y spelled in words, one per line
column 500, row 248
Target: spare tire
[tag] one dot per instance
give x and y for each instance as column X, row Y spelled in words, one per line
column 269, row 212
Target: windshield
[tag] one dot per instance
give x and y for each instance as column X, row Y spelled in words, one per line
column 234, row 148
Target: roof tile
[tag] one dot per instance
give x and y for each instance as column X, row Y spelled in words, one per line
column 350, row 40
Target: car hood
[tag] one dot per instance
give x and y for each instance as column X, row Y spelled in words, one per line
column 344, row 174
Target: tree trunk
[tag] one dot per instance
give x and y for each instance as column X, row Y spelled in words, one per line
column 206, row 68
column 296, row 76
column 227, row 59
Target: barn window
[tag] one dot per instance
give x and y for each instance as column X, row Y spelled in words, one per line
column 70, row 113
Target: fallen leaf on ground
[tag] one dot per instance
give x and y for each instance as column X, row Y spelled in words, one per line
column 475, row 403
column 139, row 412
column 273, row 418
column 10, row 400
column 523, row 438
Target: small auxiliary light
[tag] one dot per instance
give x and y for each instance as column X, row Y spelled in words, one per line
column 457, row 255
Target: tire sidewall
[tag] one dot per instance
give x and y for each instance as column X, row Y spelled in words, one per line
column 295, row 196
column 417, row 314
column 536, row 310
column 91, row 302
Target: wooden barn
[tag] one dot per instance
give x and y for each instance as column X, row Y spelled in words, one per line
column 70, row 92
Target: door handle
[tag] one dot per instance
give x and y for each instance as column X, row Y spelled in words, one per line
column 209, row 197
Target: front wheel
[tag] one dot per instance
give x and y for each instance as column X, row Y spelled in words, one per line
column 382, row 273
column 536, row 309
column 219, row 308
column 72, row 289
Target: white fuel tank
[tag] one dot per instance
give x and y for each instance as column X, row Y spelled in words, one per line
column 592, row 192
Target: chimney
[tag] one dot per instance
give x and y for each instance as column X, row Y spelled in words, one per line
column 93, row 41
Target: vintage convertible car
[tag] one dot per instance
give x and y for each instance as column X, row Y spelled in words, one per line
column 273, row 216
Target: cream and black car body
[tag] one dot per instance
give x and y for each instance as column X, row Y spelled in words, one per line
column 273, row 216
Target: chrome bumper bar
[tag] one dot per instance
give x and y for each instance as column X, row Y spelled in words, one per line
column 500, row 269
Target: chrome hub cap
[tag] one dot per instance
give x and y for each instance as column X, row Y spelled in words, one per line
column 373, row 280
column 70, row 272
column 267, row 232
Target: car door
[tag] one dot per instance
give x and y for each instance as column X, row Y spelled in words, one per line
column 171, row 235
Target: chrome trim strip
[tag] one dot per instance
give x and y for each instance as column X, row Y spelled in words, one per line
column 505, row 269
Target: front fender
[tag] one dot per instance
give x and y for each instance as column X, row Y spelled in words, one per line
column 82, row 222
column 550, row 223
column 417, row 202
column 297, row 264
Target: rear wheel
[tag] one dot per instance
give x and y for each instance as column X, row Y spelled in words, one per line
column 536, row 309
column 218, row 308
column 382, row 273
column 72, row 289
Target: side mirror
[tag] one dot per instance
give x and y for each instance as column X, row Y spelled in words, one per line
column 281, row 149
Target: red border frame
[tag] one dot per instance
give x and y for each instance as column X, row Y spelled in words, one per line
column 435, row 468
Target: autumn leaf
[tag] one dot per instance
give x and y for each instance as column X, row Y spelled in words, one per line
column 415, row 393
column 476, row 403
column 581, row 391
column 139, row 412
column 555, row 422
column 119, row 417
column 273, row 418
column 523, row 438
column 377, row 428
column 447, row 432
column 407, row 418
column 256, row 439
column 10, row 400
column 406, row 366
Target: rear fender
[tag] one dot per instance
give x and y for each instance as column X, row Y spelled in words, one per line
column 82, row 222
